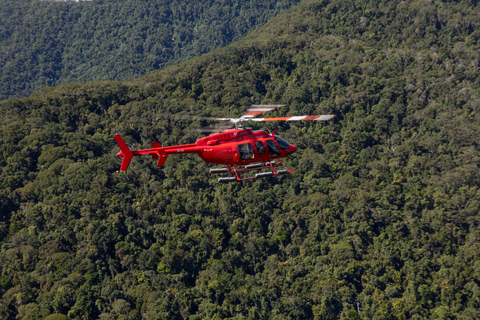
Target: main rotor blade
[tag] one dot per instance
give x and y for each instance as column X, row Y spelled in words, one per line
column 296, row 118
column 257, row 109
column 213, row 129
column 252, row 111
column 188, row 117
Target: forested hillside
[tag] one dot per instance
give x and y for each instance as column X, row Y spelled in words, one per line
column 380, row 219
column 47, row 43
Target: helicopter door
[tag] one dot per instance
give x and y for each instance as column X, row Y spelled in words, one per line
column 235, row 154
column 246, row 151
column 260, row 147
column 272, row 148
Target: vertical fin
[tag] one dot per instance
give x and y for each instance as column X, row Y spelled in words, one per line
column 126, row 153
column 161, row 154
column 162, row 157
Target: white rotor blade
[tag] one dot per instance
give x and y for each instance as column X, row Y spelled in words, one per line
column 296, row 118
column 212, row 129
column 257, row 109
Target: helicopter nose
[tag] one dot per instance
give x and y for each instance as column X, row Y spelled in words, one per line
column 291, row 149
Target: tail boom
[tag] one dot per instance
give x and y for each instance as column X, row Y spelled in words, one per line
column 157, row 152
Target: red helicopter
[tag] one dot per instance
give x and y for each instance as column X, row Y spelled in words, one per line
column 239, row 150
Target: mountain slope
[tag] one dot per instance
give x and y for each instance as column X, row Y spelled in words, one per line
column 379, row 219
column 45, row 43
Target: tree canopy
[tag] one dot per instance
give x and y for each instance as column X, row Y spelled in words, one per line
column 47, row 43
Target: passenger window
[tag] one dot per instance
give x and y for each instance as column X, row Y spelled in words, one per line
column 246, row 151
column 272, row 148
column 260, row 147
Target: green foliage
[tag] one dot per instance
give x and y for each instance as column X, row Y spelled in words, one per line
column 379, row 219
column 47, row 43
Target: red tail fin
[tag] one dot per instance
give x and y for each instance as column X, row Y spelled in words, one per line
column 161, row 154
column 126, row 153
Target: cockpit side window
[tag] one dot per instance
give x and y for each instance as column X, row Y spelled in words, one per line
column 272, row 148
column 282, row 143
column 260, row 147
column 246, row 151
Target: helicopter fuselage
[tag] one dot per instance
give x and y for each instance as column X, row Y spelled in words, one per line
column 231, row 147
column 242, row 146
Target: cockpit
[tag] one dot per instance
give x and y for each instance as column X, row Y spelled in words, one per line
column 282, row 143
column 247, row 152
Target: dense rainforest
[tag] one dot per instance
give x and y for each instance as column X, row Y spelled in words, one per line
column 47, row 43
column 379, row 220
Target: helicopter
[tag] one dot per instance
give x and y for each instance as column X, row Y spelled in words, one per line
column 237, row 148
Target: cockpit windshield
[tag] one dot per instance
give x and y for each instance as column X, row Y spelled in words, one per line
column 282, row 143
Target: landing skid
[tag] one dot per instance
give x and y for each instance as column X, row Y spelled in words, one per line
column 251, row 167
